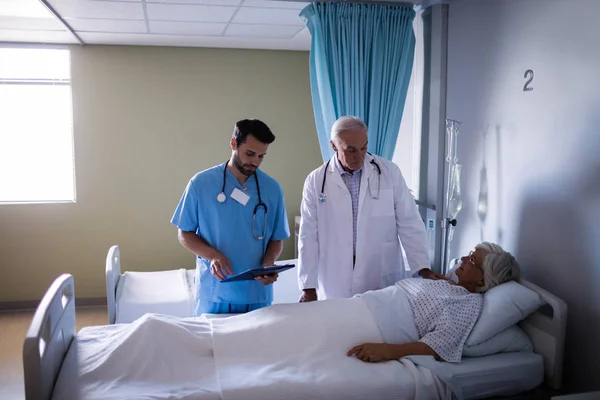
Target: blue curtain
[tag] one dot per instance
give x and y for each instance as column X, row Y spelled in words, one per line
column 361, row 60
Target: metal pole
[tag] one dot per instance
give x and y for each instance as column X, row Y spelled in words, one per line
column 62, row 21
column 435, row 31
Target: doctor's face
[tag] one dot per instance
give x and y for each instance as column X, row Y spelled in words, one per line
column 248, row 156
column 351, row 148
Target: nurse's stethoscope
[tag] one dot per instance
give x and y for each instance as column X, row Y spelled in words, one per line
column 322, row 196
column 221, row 198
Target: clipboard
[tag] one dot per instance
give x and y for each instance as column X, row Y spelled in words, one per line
column 253, row 273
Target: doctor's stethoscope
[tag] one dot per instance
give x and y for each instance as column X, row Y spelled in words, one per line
column 221, row 198
column 322, row 196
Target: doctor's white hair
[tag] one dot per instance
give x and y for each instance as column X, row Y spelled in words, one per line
column 346, row 123
column 499, row 266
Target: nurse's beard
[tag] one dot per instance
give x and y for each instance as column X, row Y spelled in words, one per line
column 237, row 163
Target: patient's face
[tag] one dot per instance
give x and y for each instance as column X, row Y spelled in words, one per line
column 470, row 270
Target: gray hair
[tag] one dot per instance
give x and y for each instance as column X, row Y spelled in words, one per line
column 346, row 123
column 499, row 266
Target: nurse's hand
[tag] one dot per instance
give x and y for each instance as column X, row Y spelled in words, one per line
column 220, row 266
column 267, row 279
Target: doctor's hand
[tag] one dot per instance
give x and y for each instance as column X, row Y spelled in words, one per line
column 429, row 274
column 308, row 295
column 371, row 352
column 220, row 266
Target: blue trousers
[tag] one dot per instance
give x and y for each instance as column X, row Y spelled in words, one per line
column 209, row 307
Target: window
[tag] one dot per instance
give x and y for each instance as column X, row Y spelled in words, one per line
column 408, row 146
column 36, row 133
column 407, row 154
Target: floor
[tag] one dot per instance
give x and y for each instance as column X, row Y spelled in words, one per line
column 13, row 327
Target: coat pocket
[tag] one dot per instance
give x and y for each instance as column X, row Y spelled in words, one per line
column 384, row 205
column 391, row 263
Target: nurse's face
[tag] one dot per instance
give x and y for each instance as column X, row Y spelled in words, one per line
column 248, row 156
column 351, row 148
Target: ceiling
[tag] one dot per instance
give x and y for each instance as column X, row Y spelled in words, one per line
column 253, row 24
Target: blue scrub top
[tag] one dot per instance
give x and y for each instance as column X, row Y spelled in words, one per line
column 227, row 227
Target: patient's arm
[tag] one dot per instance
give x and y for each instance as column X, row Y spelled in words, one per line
column 398, row 351
column 375, row 352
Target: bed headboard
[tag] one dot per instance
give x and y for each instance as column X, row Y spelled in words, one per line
column 50, row 334
column 546, row 329
column 113, row 273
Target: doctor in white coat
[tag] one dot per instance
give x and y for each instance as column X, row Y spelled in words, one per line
column 356, row 212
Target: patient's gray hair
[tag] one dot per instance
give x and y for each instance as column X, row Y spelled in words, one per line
column 346, row 123
column 499, row 266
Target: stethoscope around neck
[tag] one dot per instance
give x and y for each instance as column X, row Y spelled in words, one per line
column 322, row 196
column 221, row 197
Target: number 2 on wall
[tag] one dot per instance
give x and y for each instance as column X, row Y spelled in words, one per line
column 528, row 74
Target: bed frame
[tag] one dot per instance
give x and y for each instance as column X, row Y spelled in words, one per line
column 53, row 328
column 113, row 273
column 547, row 329
column 113, row 278
column 48, row 339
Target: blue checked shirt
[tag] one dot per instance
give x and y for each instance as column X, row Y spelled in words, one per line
column 352, row 182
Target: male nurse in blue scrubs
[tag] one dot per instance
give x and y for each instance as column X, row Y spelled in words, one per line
column 232, row 217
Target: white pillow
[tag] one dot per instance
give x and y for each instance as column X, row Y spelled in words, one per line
column 511, row 339
column 503, row 305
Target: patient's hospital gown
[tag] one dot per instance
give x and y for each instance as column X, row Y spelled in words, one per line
column 444, row 314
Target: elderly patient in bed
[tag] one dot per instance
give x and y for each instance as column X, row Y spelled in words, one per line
column 444, row 311
column 329, row 339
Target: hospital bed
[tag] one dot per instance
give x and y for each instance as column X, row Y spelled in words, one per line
column 52, row 331
column 131, row 294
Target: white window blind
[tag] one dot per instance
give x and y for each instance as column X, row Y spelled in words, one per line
column 36, row 128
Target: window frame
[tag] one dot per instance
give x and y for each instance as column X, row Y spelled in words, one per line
column 51, row 82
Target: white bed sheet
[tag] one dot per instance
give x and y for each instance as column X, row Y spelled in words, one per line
column 191, row 282
column 502, row 374
column 133, row 302
column 231, row 358
column 286, row 289
column 477, row 378
column 161, row 292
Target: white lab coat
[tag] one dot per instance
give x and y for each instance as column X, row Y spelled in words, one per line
column 325, row 246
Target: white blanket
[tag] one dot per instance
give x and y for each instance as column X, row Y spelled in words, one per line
column 300, row 350
column 154, row 357
column 286, row 351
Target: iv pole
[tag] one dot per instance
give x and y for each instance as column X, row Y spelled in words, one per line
column 453, row 168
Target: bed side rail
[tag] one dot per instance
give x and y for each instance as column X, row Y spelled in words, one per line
column 50, row 334
column 113, row 273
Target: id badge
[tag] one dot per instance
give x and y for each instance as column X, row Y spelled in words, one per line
column 240, row 196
